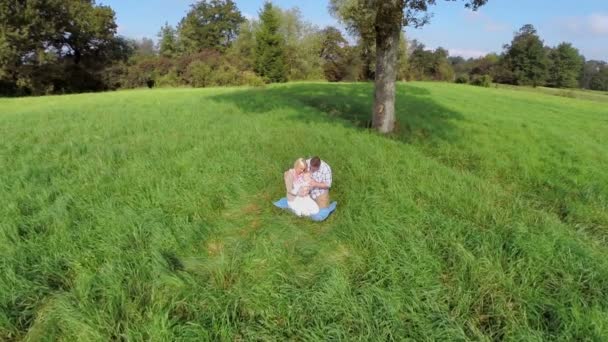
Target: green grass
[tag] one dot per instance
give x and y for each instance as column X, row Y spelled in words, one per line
column 585, row 94
column 146, row 215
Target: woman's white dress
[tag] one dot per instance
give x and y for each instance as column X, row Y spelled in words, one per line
column 302, row 205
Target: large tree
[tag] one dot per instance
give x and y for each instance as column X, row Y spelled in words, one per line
column 485, row 65
column 144, row 47
column 590, row 70
column 210, row 24
column 243, row 48
column 599, row 81
column 383, row 21
column 334, row 51
column 526, row 58
column 270, row 46
column 565, row 66
column 430, row 65
column 167, row 41
column 56, row 45
column 303, row 42
column 359, row 16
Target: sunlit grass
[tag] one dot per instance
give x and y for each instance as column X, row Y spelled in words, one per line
column 147, row 215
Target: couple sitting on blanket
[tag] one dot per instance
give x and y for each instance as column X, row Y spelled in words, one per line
column 307, row 186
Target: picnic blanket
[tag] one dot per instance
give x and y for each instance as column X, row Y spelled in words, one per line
column 321, row 216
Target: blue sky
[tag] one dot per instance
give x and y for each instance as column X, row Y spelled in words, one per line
column 584, row 23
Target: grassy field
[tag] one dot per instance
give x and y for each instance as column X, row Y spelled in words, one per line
column 146, row 215
column 584, row 94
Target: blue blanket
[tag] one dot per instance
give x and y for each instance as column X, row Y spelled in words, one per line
column 321, row 216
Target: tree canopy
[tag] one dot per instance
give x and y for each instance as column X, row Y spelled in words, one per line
column 52, row 46
column 210, row 24
column 526, row 59
column 565, row 66
column 56, row 45
column 167, row 41
column 270, row 46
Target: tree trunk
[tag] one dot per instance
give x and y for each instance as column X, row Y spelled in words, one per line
column 387, row 46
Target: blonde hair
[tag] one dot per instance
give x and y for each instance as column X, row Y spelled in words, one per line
column 300, row 162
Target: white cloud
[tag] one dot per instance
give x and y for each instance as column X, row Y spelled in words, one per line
column 495, row 27
column 467, row 53
column 595, row 24
column 598, row 23
column 489, row 24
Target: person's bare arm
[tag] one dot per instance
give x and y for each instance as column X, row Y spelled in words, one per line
column 319, row 185
column 288, row 177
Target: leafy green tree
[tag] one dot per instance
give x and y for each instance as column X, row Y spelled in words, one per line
column 243, row 47
column 462, row 68
column 144, row 47
column 421, row 62
column 442, row 69
column 382, row 21
column 590, row 69
column 334, row 53
column 599, row 81
column 210, row 24
column 302, row 46
column 353, row 66
column 565, row 66
column 485, row 65
column 167, row 41
column 55, row 45
column 430, row 65
column 359, row 20
column 526, row 58
column 270, row 46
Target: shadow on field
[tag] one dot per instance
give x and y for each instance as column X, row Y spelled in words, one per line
column 419, row 117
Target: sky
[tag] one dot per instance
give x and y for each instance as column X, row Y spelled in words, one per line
column 584, row 23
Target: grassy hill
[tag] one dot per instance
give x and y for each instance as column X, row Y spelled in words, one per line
column 147, row 215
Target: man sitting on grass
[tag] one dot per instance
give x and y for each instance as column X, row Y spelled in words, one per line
column 321, row 181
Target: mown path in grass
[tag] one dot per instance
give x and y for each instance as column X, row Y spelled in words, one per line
column 147, row 214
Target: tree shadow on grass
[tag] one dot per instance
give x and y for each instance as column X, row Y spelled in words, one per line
column 419, row 117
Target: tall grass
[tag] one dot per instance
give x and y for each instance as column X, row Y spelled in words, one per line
column 146, row 215
column 585, row 94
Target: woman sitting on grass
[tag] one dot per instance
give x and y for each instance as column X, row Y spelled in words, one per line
column 297, row 184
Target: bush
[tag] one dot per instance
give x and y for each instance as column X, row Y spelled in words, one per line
column 199, row 74
column 169, row 80
column 249, row 78
column 114, row 76
column 207, row 68
column 462, row 79
column 140, row 72
column 224, row 75
column 482, row 81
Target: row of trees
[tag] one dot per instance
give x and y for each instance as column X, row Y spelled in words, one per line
column 68, row 46
column 280, row 46
column 213, row 45
column 57, row 46
column 527, row 61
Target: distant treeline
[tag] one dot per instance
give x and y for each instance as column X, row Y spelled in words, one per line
column 66, row 46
